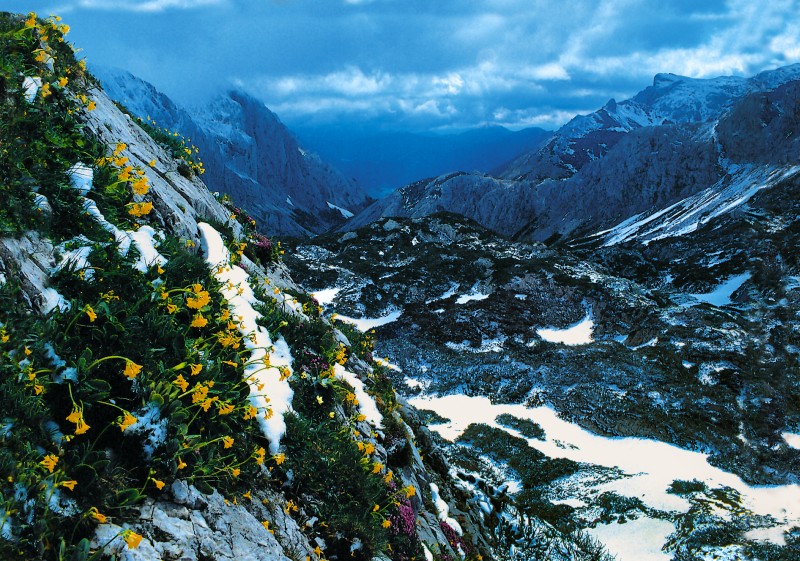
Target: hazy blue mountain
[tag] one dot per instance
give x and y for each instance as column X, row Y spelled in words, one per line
column 629, row 160
column 384, row 161
column 250, row 155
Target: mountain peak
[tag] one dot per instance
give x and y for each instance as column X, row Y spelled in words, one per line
column 666, row 79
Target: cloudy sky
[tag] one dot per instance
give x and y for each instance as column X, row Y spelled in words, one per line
column 427, row 64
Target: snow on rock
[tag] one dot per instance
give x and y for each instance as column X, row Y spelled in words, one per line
column 366, row 404
column 579, row 333
column 689, row 214
column 326, row 296
column 652, row 465
column 31, row 85
column 80, row 177
column 269, row 388
column 443, row 510
column 792, row 439
column 344, row 212
column 635, row 540
column 721, row 295
column 464, row 298
column 365, row 324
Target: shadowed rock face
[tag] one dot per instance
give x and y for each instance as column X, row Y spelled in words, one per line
column 250, row 155
column 669, row 142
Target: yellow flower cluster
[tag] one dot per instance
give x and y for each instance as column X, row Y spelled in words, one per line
column 140, row 209
column 132, row 369
column 127, row 421
column 77, row 417
column 199, row 299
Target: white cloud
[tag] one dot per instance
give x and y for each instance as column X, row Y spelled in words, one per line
column 145, row 5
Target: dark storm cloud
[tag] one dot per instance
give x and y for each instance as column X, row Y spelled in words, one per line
column 430, row 64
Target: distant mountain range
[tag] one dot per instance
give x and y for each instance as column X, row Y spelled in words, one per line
column 676, row 139
column 382, row 162
column 250, row 155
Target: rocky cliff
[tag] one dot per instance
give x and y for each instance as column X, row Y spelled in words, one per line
column 251, row 156
column 167, row 391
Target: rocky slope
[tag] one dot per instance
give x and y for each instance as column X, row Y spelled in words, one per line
column 168, row 392
column 687, row 340
column 251, row 156
column 636, row 156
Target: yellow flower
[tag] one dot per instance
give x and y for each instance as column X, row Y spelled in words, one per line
column 77, row 417
column 201, row 299
column 388, row 477
column 247, row 496
column 119, row 148
column 227, row 442
column 198, row 321
column 91, row 107
column 127, row 421
column 38, row 389
column 285, row 372
column 235, row 472
column 31, row 21
column 181, row 463
column 319, row 399
column 265, row 523
column 172, row 308
column 159, row 270
column 386, row 523
column 27, row 351
column 318, row 551
column 132, row 369
column 140, row 186
column 226, row 409
column 376, row 508
column 94, row 513
column 140, row 209
column 132, row 539
column 410, row 491
column 181, row 382
column 151, row 163
column 196, row 368
column 50, row 462
column 377, row 468
column 159, row 484
column 82, row 427
column 260, row 454
column 68, row 484
column 369, row 448
column 279, row 458
column 41, row 56
column 90, row 312
column 63, row 81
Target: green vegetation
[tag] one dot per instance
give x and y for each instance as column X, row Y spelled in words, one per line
column 137, row 378
column 526, row 427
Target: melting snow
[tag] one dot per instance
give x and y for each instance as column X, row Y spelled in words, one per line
column 31, row 85
column 326, row 296
column 470, row 297
column 365, row 324
column 344, row 212
column 653, row 465
column 366, row 405
column 635, row 540
column 577, row 334
column 792, row 439
column 80, row 177
column 444, row 511
column 261, row 370
column 721, row 296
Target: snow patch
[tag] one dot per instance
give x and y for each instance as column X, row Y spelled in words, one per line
column 327, row 295
column 463, row 299
column 262, row 370
column 792, row 439
column 721, row 296
column 343, row 211
column 635, row 540
column 366, row 405
column 30, row 86
column 579, row 333
column 365, row 324
column 80, row 177
column 444, row 511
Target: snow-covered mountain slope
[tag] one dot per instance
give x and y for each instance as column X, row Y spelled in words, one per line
column 250, row 155
column 676, row 139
